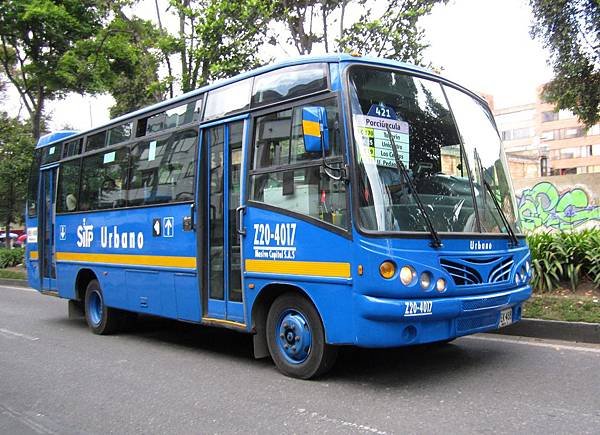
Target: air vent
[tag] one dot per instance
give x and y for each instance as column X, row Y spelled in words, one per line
column 478, row 270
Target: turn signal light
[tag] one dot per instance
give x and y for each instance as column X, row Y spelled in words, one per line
column 440, row 285
column 387, row 269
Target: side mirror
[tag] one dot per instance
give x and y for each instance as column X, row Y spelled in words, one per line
column 314, row 129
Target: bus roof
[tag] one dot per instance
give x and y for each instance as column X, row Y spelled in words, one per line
column 328, row 58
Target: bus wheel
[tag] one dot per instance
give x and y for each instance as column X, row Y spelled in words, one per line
column 100, row 318
column 296, row 338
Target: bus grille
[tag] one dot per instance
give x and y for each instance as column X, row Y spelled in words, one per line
column 478, row 270
column 477, row 304
column 470, row 323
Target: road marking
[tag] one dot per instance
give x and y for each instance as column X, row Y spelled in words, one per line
column 26, row 420
column 339, row 422
column 26, row 289
column 11, row 334
column 525, row 341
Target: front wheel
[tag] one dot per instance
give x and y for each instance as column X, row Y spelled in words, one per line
column 296, row 338
column 101, row 319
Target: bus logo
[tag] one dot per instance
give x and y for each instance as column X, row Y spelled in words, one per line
column 85, row 235
column 478, row 245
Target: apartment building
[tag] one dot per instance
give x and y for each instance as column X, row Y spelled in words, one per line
column 539, row 141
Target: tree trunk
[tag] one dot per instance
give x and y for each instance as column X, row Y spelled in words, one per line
column 9, row 207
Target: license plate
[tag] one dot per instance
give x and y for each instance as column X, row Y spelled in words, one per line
column 505, row 317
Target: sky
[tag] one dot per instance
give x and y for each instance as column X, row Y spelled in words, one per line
column 483, row 45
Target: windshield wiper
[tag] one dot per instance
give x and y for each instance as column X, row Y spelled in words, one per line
column 436, row 242
column 509, row 230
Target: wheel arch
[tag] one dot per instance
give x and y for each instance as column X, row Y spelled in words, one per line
column 260, row 309
column 84, row 276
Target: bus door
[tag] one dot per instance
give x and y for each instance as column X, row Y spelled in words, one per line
column 46, row 229
column 222, row 274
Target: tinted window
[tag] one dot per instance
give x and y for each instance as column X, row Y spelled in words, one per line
column 72, row 148
column 68, row 186
column 278, row 141
column 175, row 117
column 228, row 99
column 287, row 83
column 119, row 134
column 278, row 138
column 96, row 141
column 103, row 180
column 162, row 170
column 32, row 190
column 51, row 153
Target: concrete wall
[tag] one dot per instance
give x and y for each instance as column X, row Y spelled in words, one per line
column 566, row 202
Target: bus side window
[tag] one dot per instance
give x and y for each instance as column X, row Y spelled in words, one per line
column 68, row 186
column 103, row 180
column 162, row 169
column 286, row 176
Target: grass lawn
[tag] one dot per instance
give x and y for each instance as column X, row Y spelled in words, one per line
column 11, row 273
column 580, row 306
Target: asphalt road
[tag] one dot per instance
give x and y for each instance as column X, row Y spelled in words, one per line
column 168, row 377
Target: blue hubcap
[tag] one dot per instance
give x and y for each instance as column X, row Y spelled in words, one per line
column 95, row 307
column 293, row 336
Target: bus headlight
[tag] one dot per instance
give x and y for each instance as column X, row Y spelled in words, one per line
column 440, row 285
column 387, row 269
column 408, row 275
column 425, row 280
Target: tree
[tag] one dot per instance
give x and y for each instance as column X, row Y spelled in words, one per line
column 393, row 33
column 219, row 38
column 34, row 36
column 570, row 29
column 16, row 154
column 123, row 59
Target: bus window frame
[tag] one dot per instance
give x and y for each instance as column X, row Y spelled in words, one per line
column 345, row 231
column 345, row 76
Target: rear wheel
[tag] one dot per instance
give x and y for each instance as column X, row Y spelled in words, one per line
column 296, row 338
column 100, row 318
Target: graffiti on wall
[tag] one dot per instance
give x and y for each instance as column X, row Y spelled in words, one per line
column 543, row 206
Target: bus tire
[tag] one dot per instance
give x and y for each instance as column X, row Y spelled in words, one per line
column 101, row 319
column 296, row 338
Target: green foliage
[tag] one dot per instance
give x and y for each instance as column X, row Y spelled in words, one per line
column 123, row 59
column 11, row 257
column 219, row 38
column 569, row 309
column 394, row 33
column 12, row 274
column 16, row 155
column 570, row 29
column 564, row 257
column 34, row 37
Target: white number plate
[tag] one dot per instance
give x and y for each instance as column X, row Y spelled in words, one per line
column 505, row 317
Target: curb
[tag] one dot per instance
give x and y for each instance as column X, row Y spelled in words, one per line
column 554, row 329
column 14, row 282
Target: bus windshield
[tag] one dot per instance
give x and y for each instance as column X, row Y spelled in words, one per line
column 447, row 141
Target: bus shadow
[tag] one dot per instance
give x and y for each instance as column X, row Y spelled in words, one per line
column 384, row 367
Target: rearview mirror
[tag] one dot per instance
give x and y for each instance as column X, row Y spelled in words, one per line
column 314, row 129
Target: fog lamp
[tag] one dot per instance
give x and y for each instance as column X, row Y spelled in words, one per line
column 387, row 269
column 408, row 275
column 440, row 285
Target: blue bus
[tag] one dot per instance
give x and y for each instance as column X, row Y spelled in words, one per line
column 320, row 202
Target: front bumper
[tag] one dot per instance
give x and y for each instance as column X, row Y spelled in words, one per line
column 384, row 322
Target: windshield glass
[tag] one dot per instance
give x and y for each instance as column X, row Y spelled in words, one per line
column 424, row 131
column 483, row 148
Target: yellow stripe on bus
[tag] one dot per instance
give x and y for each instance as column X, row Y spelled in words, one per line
column 134, row 260
column 311, row 128
column 305, row 268
column 33, row 255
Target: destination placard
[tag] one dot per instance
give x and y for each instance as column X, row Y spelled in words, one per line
column 374, row 141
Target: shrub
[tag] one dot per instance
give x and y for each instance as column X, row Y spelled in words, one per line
column 11, row 257
column 564, row 257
